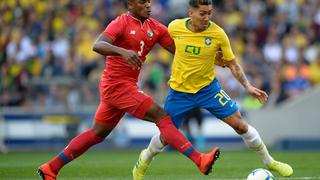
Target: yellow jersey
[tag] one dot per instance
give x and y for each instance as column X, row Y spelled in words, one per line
column 193, row 63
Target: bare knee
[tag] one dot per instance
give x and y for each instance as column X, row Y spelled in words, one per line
column 155, row 113
column 237, row 123
column 241, row 128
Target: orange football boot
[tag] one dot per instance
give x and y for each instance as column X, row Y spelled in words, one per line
column 46, row 173
column 207, row 161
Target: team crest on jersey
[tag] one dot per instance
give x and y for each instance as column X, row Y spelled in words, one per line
column 208, row 41
column 150, row 33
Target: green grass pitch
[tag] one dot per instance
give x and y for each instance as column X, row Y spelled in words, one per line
column 232, row 165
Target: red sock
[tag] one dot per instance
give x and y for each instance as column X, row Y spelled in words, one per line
column 175, row 138
column 76, row 147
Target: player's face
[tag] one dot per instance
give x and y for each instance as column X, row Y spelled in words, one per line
column 141, row 9
column 201, row 16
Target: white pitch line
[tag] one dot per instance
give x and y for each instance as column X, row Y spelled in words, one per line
column 302, row 178
column 288, row 178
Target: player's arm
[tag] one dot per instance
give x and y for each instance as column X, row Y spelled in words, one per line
column 238, row 73
column 219, row 59
column 236, row 69
column 171, row 48
column 165, row 40
column 103, row 46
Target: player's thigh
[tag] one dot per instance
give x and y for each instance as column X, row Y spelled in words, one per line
column 223, row 107
column 156, row 113
column 177, row 105
column 107, row 115
column 216, row 101
column 129, row 98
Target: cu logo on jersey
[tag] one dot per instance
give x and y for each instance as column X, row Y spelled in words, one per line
column 208, row 41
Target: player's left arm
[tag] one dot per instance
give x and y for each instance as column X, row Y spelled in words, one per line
column 238, row 73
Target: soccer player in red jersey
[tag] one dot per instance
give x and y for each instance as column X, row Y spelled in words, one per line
column 126, row 41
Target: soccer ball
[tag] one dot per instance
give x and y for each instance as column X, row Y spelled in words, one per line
column 260, row 174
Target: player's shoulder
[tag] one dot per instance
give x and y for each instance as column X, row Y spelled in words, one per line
column 178, row 22
column 215, row 27
column 122, row 18
column 154, row 22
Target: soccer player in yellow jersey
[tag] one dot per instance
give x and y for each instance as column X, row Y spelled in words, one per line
column 193, row 84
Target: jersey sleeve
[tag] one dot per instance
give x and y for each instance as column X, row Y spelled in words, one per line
column 170, row 29
column 165, row 39
column 226, row 47
column 114, row 29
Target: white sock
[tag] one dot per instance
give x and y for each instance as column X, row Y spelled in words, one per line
column 254, row 141
column 155, row 147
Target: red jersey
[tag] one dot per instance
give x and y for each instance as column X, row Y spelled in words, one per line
column 130, row 33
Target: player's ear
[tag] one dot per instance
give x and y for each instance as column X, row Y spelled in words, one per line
column 130, row 4
column 190, row 12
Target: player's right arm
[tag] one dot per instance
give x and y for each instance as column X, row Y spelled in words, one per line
column 103, row 46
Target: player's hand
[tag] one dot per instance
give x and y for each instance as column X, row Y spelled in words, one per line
column 132, row 59
column 219, row 59
column 257, row 93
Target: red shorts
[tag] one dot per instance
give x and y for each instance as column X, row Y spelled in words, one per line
column 117, row 99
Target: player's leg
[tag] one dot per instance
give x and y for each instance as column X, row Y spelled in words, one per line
column 185, row 129
column 146, row 156
column 253, row 140
column 177, row 106
column 106, row 119
column 249, row 135
column 176, row 139
column 146, row 109
column 223, row 107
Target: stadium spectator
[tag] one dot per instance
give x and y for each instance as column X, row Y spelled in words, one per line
column 295, row 78
column 36, row 26
column 315, row 71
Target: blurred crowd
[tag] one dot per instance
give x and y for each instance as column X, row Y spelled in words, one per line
column 46, row 55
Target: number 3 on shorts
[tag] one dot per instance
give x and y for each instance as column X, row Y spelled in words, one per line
column 223, row 97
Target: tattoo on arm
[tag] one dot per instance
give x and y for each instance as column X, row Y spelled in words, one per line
column 239, row 74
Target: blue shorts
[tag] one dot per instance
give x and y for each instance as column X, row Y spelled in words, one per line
column 211, row 97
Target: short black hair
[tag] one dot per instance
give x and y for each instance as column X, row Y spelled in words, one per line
column 197, row 3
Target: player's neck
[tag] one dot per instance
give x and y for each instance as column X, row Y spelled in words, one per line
column 137, row 17
column 194, row 28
